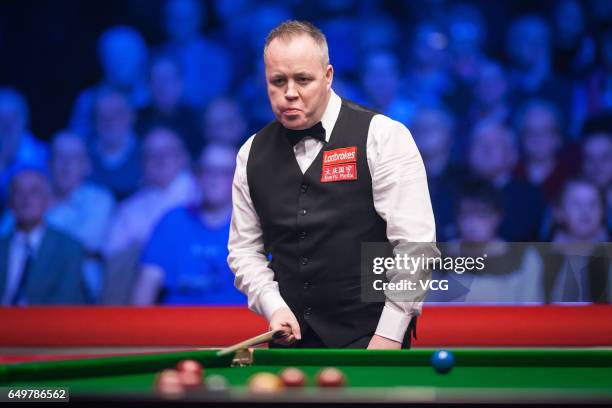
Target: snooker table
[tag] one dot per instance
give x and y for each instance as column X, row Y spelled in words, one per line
column 373, row 377
column 509, row 354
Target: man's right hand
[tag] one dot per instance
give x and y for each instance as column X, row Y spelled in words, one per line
column 284, row 319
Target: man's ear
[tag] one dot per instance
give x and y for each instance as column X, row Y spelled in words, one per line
column 329, row 75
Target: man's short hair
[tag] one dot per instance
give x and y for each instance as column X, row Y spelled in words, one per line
column 293, row 28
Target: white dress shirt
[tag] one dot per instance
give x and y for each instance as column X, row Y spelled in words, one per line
column 401, row 198
column 16, row 259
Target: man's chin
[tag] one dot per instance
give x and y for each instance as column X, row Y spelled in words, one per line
column 296, row 123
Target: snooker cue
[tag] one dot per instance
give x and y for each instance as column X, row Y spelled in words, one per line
column 262, row 338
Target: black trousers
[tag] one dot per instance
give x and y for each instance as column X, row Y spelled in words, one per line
column 310, row 339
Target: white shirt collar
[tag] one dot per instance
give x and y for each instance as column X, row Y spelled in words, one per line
column 34, row 237
column 330, row 116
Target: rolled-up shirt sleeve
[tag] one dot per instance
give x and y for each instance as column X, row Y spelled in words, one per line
column 401, row 198
column 247, row 258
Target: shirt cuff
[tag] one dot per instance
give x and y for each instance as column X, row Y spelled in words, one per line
column 270, row 302
column 393, row 324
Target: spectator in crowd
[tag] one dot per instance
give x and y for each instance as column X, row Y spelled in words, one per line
column 167, row 107
column 79, row 208
column 489, row 98
column 224, row 122
column 207, row 67
column 432, row 129
column 38, row 264
column 577, row 269
column 512, row 272
column 573, row 47
column 381, row 80
column 428, row 80
column 597, row 92
column 466, row 34
column 17, row 145
column 540, row 132
column 378, row 31
column 122, row 53
column 493, row 156
column 115, row 152
column 597, row 164
column 185, row 262
column 167, row 183
column 531, row 75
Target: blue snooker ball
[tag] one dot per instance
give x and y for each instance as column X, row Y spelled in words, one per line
column 442, row 361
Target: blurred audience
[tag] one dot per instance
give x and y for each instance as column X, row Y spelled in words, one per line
column 539, row 128
column 190, row 267
column 167, row 107
column 381, row 81
column 207, row 67
column 577, row 269
column 39, row 265
column 224, row 122
column 433, row 129
column 17, row 145
column 115, row 151
column 122, row 53
column 493, row 156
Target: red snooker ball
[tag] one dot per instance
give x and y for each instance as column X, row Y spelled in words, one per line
column 331, row 377
column 169, row 384
column 190, row 373
column 293, row 377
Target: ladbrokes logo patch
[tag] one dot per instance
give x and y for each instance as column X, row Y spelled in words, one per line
column 339, row 165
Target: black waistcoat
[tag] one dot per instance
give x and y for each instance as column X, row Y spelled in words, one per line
column 314, row 229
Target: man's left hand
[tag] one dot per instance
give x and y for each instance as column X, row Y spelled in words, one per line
column 382, row 343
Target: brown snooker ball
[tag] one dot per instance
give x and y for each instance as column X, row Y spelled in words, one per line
column 265, row 383
column 168, row 384
column 331, row 377
column 293, row 377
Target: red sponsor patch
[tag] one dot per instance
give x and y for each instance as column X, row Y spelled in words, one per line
column 339, row 165
column 337, row 156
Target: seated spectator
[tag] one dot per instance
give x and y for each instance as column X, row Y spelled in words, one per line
column 39, row 265
column 428, row 80
column 531, row 75
column 122, row 53
column 79, row 208
column 380, row 80
column 597, row 164
column 540, row 131
column 512, row 273
column 206, row 64
column 577, row 268
column 185, row 262
column 167, row 107
column 224, row 122
column 17, row 145
column 115, row 151
column 492, row 156
column 432, row 129
column 168, row 183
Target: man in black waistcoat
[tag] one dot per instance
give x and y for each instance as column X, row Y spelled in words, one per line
column 309, row 188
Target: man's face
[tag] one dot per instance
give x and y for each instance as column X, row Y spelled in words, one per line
column 216, row 172
column 298, row 83
column 477, row 222
column 69, row 163
column 581, row 211
column 540, row 134
column 492, row 153
column 163, row 158
column 29, row 197
column 597, row 160
column 114, row 119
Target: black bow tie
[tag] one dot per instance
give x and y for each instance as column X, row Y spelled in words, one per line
column 316, row 132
